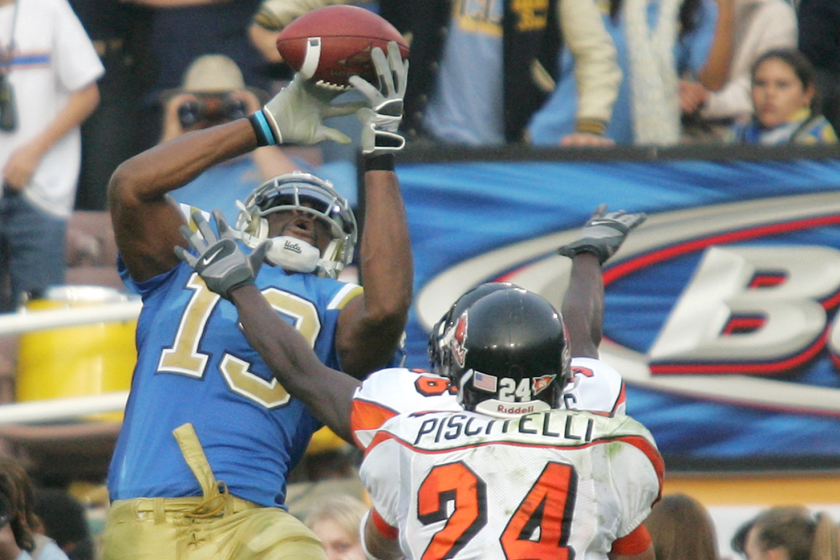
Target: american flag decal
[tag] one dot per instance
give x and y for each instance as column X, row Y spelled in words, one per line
column 484, row 381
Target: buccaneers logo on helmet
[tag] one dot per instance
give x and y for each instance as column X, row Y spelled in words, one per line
column 541, row 383
column 458, row 345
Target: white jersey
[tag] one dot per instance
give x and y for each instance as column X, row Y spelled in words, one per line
column 53, row 58
column 389, row 392
column 559, row 484
column 596, row 387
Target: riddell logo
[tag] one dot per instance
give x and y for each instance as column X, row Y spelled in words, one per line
column 515, row 409
column 292, row 246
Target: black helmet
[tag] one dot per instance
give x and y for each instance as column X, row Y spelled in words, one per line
column 435, row 350
column 508, row 353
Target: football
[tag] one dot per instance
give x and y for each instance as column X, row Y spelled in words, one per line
column 330, row 44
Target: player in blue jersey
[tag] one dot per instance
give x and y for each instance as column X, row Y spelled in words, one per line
column 209, row 436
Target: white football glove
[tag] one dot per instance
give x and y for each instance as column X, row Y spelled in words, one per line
column 295, row 114
column 381, row 119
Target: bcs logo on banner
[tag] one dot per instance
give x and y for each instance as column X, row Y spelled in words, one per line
column 755, row 310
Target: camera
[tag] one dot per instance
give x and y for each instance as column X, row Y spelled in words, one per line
column 211, row 109
column 8, row 107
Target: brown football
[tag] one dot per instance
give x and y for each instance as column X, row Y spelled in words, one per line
column 330, row 44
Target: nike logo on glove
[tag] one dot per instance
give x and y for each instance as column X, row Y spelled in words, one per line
column 207, row 259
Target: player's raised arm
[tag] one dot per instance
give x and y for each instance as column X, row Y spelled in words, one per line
column 227, row 271
column 145, row 218
column 583, row 305
column 370, row 327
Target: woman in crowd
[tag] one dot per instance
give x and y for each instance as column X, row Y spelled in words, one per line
column 336, row 522
column 788, row 533
column 20, row 538
column 783, row 96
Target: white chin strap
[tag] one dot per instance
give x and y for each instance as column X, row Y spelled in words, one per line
column 292, row 254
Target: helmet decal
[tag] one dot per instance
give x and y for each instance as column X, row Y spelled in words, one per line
column 439, row 353
column 458, row 344
column 485, row 381
column 541, row 383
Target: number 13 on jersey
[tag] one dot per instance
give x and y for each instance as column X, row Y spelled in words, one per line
column 185, row 357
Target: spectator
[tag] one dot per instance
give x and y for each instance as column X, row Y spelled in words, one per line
column 64, row 520
column 783, row 95
column 682, row 529
column 27, row 542
column 214, row 92
column 788, row 533
column 819, row 40
column 758, row 26
column 336, row 522
column 48, row 88
column 183, row 30
column 478, row 74
column 656, row 41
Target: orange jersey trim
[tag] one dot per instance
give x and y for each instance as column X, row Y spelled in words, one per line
column 368, row 416
column 636, row 542
column 622, row 397
column 382, row 526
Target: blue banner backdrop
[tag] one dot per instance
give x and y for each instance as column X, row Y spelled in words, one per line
column 719, row 308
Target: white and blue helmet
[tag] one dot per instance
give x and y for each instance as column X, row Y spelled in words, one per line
column 287, row 193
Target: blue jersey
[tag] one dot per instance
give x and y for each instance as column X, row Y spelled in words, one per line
column 804, row 128
column 195, row 365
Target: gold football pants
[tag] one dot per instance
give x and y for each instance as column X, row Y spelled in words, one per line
column 217, row 526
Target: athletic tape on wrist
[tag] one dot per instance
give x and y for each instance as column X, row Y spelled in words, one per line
column 381, row 162
column 265, row 136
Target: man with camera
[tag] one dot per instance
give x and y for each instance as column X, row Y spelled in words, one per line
column 48, row 75
column 214, row 92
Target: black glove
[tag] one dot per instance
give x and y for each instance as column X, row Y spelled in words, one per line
column 221, row 263
column 603, row 233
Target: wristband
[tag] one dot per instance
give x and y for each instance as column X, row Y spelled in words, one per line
column 572, row 252
column 262, row 130
column 382, row 162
